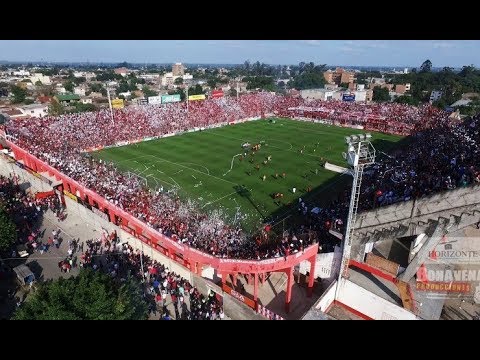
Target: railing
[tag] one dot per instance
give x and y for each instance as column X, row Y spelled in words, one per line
column 159, row 241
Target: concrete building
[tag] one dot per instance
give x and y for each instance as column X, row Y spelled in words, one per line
column 122, row 71
column 332, row 77
column 187, row 76
column 86, row 100
column 12, row 113
column 347, row 77
column 317, row 94
column 339, row 76
column 34, row 110
column 150, row 77
column 45, row 80
column 79, row 90
column 178, row 69
column 402, row 88
column 168, row 79
column 21, row 73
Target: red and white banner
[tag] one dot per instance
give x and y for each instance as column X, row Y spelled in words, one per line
column 262, row 310
column 217, row 94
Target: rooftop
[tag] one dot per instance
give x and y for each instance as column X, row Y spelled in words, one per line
column 67, row 97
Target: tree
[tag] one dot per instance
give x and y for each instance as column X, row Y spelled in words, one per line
column 19, row 94
column 344, row 85
column 38, row 83
column 2, row 119
column 148, row 92
column 69, row 86
column 8, row 231
column 197, row 90
column 179, row 91
column 380, row 94
column 178, row 81
column 55, row 108
column 426, row 66
column 309, row 76
column 92, row 295
column 233, row 92
column 80, row 107
column 404, row 99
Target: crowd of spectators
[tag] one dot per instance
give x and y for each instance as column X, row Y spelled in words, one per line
column 391, row 118
column 25, row 210
column 442, row 157
column 161, row 286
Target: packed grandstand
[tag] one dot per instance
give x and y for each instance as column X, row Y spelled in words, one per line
column 442, row 155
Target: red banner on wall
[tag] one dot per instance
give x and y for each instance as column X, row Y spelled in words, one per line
column 239, row 297
column 43, row 195
column 217, row 94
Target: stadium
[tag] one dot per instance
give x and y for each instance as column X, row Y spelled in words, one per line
column 248, row 187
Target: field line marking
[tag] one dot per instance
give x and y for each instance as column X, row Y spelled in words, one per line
column 208, row 171
column 189, row 168
column 214, row 201
column 134, row 158
column 273, row 146
column 175, row 182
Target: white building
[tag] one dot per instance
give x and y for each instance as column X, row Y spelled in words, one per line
column 126, row 94
column 149, row 77
column 187, row 76
column 360, row 95
column 45, row 80
column 59, row 89
column 317, row 94
column 34, row 110
column 79, row 90
column 85, row 74
column 21, row 73
column 86, row 100
column 168, row 79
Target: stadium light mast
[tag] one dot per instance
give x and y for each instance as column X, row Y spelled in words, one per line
column 110, row 104
column 360, row 154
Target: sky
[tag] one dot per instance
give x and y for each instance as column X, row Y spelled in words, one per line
column 411, row 53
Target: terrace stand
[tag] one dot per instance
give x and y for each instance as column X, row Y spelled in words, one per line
column 191, row 258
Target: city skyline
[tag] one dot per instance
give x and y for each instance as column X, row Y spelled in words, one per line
column 389, row 53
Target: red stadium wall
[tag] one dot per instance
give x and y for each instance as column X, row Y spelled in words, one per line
column 189, row 257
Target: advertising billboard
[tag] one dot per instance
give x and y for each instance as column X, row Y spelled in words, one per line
column 117, row 104
column 217, row 94
column 142, row 101
column 170, row 98
column 348, row 97
column 154, row 99
column 196, row 97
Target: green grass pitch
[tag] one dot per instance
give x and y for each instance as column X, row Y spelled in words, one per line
column 198, row 166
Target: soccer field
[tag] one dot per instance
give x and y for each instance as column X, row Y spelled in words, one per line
column 210, row 168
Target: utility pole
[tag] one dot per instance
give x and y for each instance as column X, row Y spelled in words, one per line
column 110, row 104
column 187, row 97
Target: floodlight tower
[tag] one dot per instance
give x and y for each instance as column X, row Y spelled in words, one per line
column 360, row 153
